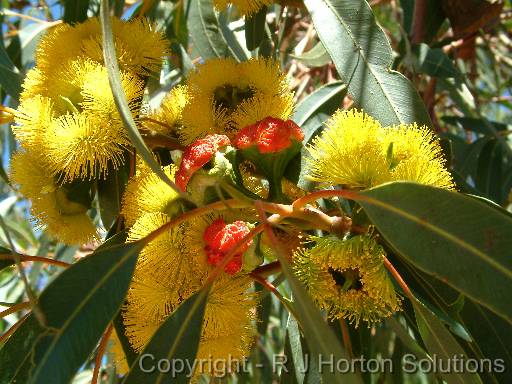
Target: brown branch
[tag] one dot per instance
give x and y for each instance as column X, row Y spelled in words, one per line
column 346, row 338
column 398, row 278
column 101, row 351
column 46, row 260
column 418, row 31
column 11, row 330
column 15, row 308
column 267, row 269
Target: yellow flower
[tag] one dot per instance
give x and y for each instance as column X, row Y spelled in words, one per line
column 245, row 7
column 169, row 112
column 33, row 117
column 147, row 193
column 349, row 151
column 81, row 145
column 72, row 116
column 347, row 278
column 117, row 351
column 139, row 47
column 415, row 155
column 226, row 95
column 228, row 325
column 354, row 150
column 82, row 84
column 59, row 208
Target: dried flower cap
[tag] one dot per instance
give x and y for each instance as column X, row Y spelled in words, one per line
column 196, row 155
column 270, row 135
column 220, row 238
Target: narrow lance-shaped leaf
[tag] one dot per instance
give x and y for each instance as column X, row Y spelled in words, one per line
column 443, row 346
column 77, row 306
column 320, row 338
column 75, row 11
column 461, row 240
column 363, row 57
column 109, row 55
column 177, row 339
column 10, row 78
column 205, row 30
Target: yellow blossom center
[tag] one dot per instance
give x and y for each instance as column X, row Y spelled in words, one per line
column 347, row 279
column 66, row 206
column 229, row 97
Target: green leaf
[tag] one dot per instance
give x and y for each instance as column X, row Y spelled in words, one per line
column 462, row 241
column 434, row 62
column 363, row 57
column 177, row 338
column 240, row 52
column 493, row 336
column 315, row 57
column 319, row 336
column 310, row 115
column 408, row 341
column 109, row 55
column 75, row 11
column 294, row 369
column 460, row 94
column 320, row 101
column 110, row 192
column 8, row 262
column 489, row 171
column 10, row 78
column 77, row 306
column 255, row 29
column 206, row 32
column 441, row 344
column 476, row 125
column 17, row 353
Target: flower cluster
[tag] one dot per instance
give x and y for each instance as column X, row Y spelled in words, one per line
column 232, row 123
column 209, row 115
column 67, row 121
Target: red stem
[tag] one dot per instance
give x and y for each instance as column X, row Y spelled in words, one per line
column 101, row 352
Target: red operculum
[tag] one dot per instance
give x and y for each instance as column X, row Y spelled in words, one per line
column 270, row 135
column 220, row 238
column 196, row 155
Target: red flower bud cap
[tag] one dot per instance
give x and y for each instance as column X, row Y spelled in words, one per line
column 196, row 155
column 270, row 135
column 220, row 238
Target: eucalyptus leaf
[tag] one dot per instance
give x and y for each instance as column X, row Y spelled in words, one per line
column 460, row 240
column 177, row 339
column 255, row 29
column 75, row 11
column 315, row 57
column 206, row 33
column 363, row 57
column 77, row 306
column 442, row 345
column 319, row 101
column 10, row 77
column 109, row 55
column 320, row 338
column 434, row 62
